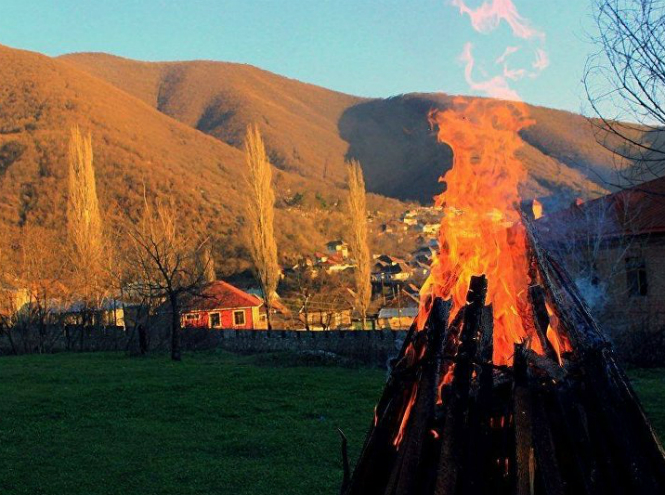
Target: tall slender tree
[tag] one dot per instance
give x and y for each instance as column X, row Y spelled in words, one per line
column 84, row 222
column 261, row 216
column 358, row 240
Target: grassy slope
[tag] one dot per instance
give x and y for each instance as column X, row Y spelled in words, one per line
column 107, row 424
column 650, row 386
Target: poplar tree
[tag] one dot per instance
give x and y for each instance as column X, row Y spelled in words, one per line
column 261, row 216
column 84, row 222
column 358, row 239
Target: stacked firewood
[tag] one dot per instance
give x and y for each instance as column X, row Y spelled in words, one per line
column 452, row 422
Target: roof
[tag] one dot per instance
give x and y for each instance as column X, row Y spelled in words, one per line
column 220, row 295
column 408, row 312
column 396, row 268
column 336, row 243
column 107, row 304
column 637, row 210
column 336, row 259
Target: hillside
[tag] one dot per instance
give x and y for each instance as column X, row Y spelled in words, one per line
column 177, row 128
column 311, row 130
column 299, row 120
column 42, row 98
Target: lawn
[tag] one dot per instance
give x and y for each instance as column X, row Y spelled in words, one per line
column 214, row 424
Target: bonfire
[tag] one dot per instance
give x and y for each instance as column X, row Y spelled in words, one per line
column 504, row 384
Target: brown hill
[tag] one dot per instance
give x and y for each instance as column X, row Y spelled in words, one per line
column 42, row 98
column 311, row 130
column 299, row 120
column 149, row 123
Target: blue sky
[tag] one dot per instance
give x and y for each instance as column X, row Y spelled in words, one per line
column 368, row 48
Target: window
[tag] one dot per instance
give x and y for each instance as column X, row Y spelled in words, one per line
column 191, row 317
column 215, row 320
column 239, row 318
column 636, row 276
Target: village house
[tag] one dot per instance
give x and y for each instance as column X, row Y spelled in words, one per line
column 410, row 217
column 420, row 268
column 428, row 228
column 12, row 299
column 328, row 319
column 614, row 248
column 336, row 264
column 390, row 270
column 221, row 305
column 43, row 297
column 424, row 254
column 109, row 313
column 338, row 248
column 393, row 227
column 396, row 318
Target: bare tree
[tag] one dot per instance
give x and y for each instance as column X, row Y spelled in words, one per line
column 8, row 301
column 32, row 305
column 358, row 239
column 261, row 215
column 40, row 269
column 625, row 84
column 593, row 240
column 84, row 222
column 166, row 264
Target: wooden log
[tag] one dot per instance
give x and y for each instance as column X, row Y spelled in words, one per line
column 378, row 453
column 572, row 311
column 547, row 464
column 486, row 341
column 476, row 478
column 541, row 319
column 581, row 450
column 455, row 433
column 619, row 406
column 637, row 457
column 522, row 413
column 547, row 368
column 411, row 464
column 503, row 451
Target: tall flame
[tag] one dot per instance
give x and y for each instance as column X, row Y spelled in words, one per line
column 481, row 230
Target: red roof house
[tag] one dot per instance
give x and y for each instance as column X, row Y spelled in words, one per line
column 221, row 305
column 635, row 211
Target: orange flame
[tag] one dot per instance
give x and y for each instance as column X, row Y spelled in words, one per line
column 481, row 231
column 537, row 208
column 405, row 417
column 557, row 338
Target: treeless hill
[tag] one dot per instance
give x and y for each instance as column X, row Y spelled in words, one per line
column 135, row 145
column 312, row 130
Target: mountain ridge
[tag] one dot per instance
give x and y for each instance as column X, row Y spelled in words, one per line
column 176, row 128
column 340, row 124
column 135, row 146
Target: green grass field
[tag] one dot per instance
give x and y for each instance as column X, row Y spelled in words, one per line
column 214, row 424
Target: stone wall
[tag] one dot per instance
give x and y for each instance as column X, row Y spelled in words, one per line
column 371, row 346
